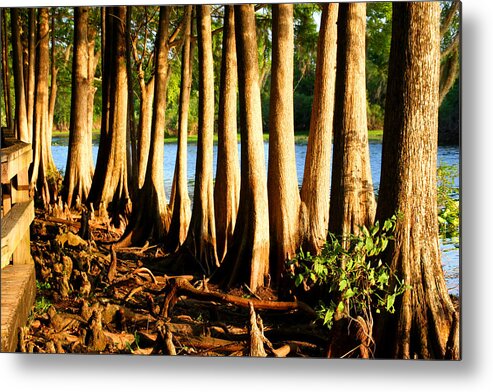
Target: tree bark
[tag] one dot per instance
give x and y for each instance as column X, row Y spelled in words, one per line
column 132, row 159
column 144, row 130
column 227, row 186
column 110, row 186
column 19, row 83
column 424, row 319
column 201, row 237
column 150, row 217
column 247, row 259
column 77, row 181
column 45, row 176
column 6, row 72
column 181, row 203
column 53, row 83
column 31, row 71
column 93, row 60
column 315, row 189
column 284, row 196
column 352, row 203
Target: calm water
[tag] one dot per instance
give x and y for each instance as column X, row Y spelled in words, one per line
column 446, row 155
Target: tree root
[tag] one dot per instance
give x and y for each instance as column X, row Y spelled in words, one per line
column 184, row 287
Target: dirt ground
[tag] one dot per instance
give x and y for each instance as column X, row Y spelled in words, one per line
column 92, row 299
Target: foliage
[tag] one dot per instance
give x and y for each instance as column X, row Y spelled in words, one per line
column 448, row 202
column 351, row 270
column 449, row 116
column 42, row 303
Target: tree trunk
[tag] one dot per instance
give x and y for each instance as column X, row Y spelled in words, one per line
column 227, row 186
column 315, row 190
column 53, row 84
column 31, row 71
column 19, row 83
column 201, row 237
column 247, row 259
column 45, row 176
column 181, row 203
column 6, row 72
column 352, row 203
column 109, row 187
column 78, row 173
column 150, row 217
column 93, row 59
column 424, row 320
column 144, row 131
column 132, row 160
column 284, row 196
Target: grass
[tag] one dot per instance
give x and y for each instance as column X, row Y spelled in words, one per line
column 374, row 135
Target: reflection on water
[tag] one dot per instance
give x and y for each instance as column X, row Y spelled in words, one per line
column 448, row 155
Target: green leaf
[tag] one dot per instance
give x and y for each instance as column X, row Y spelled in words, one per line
column 349, row 293
column 298, row 280
column 328, row 317
column 390, row 303
column 340, row 307
column 385, row 242
column 342, row 284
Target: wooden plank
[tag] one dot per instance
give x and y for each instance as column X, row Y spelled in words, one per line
column 14, row 158
column 15, row 224
column 12, row 167
column 6, row 203
column 21, row 186
column 18, row 290
column 13, row 148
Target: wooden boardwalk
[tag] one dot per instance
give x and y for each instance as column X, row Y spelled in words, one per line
column 18, row 282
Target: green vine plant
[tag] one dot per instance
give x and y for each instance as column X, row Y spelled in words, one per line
column 448, row 203
column 353, row 275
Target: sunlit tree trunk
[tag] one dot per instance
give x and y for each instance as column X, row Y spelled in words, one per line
column 144, row 126
column 352, row 203
column 45, row 175
column 424, row 324
column 53, row 82
column 92, row 63
column 109, row 186
column 21, row 127
column 150, row 217
column 78, row 173
column 31, row 71
column 315, row 189
column 201, row 237
column 247, row 259
column 132, row 159
column 181, row 203
column 282, row 181
column 227, row 186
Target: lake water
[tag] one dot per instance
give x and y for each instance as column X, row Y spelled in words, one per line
column 448, row 155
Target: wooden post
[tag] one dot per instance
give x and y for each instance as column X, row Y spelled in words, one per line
column 22, row 254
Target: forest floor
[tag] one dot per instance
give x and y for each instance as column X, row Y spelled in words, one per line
column 92, row 299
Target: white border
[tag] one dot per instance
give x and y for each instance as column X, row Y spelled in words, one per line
column 474, row 373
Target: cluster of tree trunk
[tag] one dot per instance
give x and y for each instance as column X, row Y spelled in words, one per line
column 244, row 228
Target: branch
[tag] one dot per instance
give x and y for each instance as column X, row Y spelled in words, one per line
column 449, row 17
column 453, row 46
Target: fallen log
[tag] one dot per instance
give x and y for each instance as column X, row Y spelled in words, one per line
column 184, row 287
column 208, row 343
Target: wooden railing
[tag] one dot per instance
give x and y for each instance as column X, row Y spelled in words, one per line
column 18, row 283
